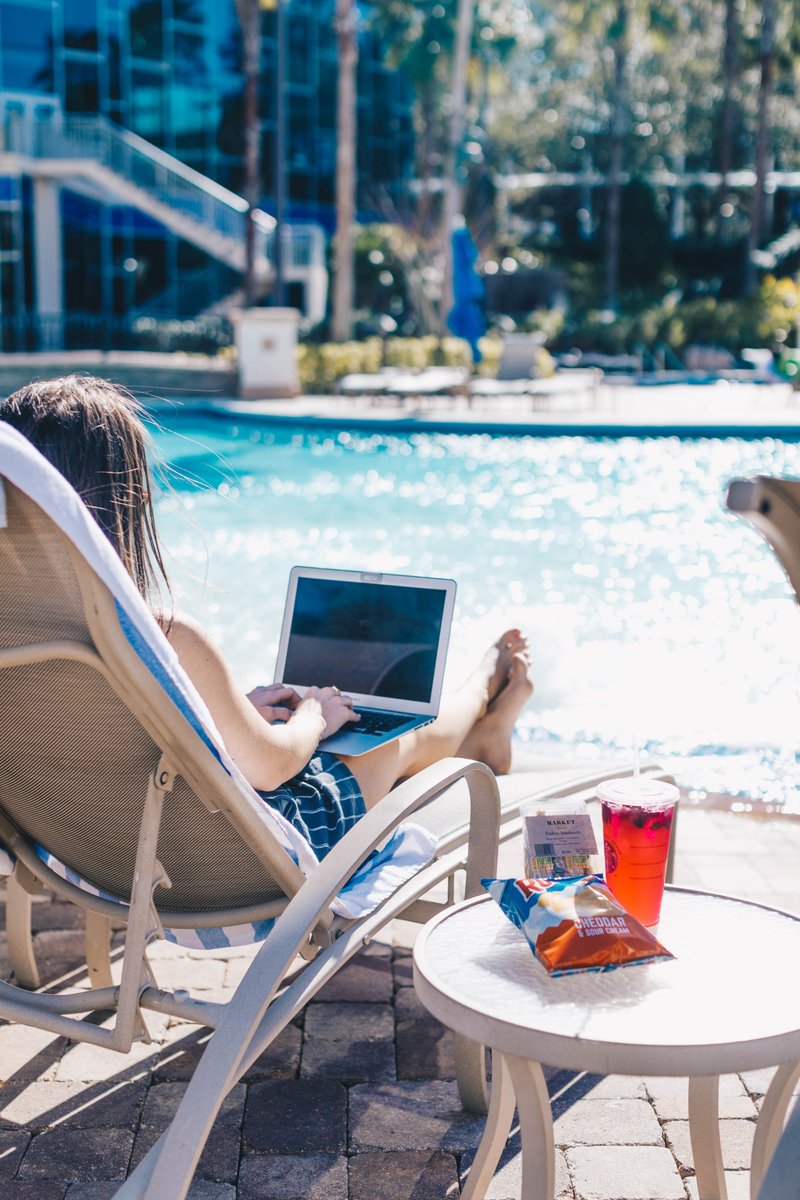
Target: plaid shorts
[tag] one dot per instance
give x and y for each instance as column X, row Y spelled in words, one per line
column 323, row 801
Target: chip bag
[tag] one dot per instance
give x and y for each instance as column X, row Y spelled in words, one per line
column 575, row 924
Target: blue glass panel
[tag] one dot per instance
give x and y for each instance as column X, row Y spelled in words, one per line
column 26, row 48
column 81, row 86
column 147, row 103
column 146, row 25
column 80, row 24
column 191, row 11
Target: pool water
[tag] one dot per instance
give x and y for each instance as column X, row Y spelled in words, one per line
column 654, row 615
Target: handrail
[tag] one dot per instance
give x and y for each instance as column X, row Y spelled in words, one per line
column 169, row 181
column 143, row 165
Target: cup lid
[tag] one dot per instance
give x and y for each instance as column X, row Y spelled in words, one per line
column 644, row 791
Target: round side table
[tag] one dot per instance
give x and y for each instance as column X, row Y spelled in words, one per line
column 728, row 1003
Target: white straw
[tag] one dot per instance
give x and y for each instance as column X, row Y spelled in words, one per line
column 635, row 745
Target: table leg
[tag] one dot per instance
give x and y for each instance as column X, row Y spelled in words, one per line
column 770, row 1123
column 498, row 1123
column 536, row 1129
column 704, row 1132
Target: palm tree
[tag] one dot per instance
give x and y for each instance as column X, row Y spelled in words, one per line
column 250, row 22
column 730, row 70
column 346, row 140
column 452, row 192
column 767, row 52
column 619, row 123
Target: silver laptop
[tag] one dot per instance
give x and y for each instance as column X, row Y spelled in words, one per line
column 382, row 639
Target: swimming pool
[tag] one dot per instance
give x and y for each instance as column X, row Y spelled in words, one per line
column 650, row 609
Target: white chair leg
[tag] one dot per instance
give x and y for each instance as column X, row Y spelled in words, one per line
column 770, row 1123
column 473, row 1088
column 20, row 936
column 98, row 949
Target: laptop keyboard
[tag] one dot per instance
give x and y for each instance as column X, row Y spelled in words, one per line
column 376, row 723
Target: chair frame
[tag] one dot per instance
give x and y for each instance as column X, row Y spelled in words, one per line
column 271, row 992
column 304, row 921
column 772, row 506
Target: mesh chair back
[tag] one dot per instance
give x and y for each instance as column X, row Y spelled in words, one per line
column 75, row 760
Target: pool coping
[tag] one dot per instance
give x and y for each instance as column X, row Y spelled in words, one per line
column 333, row 412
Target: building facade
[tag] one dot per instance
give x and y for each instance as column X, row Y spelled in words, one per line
column 122, row 137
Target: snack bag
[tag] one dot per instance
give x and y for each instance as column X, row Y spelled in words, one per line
column 575, row 924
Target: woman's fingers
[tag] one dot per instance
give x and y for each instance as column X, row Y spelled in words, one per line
column 280, row 714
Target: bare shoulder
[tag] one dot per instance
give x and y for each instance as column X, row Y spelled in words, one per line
column 194, row 646
column 181, row 628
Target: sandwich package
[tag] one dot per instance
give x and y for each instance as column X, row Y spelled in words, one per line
column 575, row 924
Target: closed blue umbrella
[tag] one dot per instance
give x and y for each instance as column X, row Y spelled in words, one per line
column 466, row 318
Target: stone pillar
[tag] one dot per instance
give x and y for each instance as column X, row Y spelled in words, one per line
column 266, row 349
column 48, row 263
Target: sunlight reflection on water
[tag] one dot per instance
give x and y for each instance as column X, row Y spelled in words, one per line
column 640, row 594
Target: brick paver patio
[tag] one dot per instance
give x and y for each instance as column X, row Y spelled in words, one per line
column 356, row 1100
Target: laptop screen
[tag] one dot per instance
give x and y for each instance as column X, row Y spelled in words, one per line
column 368, row 638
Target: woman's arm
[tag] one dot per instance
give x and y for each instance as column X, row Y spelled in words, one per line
column 267, row 755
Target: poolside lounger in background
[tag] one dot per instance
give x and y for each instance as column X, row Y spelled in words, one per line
column 782, row 1180
column 773, row 507
column 545, row 391
column 117, row 794
column 399, row 385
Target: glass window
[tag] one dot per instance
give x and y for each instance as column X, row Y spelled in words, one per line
column 230, row 119
column 8, row 237
column 227, row 38
column 147, row 105
column 80, row 24
column 82, row 89
column 8, row 280
column 190, row 11
column 190, row 61
column 146, row 23
column 302, row 47
column 26, row 48
column 114, row 74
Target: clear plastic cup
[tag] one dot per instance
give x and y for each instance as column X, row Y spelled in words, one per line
column 637, row 823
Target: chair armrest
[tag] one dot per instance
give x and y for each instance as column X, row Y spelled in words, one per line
column 402, row 802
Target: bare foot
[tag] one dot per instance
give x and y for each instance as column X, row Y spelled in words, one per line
column 489, row 740
column 492, row 674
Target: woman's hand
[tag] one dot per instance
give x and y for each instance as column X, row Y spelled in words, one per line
column 274, row 701
column 336, row 710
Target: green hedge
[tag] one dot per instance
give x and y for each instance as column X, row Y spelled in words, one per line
column 767, row 320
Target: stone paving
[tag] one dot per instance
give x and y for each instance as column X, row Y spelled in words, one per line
column 356, row 1099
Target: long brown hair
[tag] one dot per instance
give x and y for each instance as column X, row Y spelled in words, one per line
column 92, row 432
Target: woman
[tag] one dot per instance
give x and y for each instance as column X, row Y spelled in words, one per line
column 92, row 433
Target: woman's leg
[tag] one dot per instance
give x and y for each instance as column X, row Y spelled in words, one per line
column 501, row 681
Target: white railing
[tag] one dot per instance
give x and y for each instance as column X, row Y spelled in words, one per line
column 303, row 246
column 165, row 178
column 191, row 196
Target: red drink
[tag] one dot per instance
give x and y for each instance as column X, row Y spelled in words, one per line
column 637, row 821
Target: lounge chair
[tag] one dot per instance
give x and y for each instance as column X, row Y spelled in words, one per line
column 117, row 794
column 782, row 1180
column 398, row 384
column 773, row 507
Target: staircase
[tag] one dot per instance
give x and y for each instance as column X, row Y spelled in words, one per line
column 93, row 156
